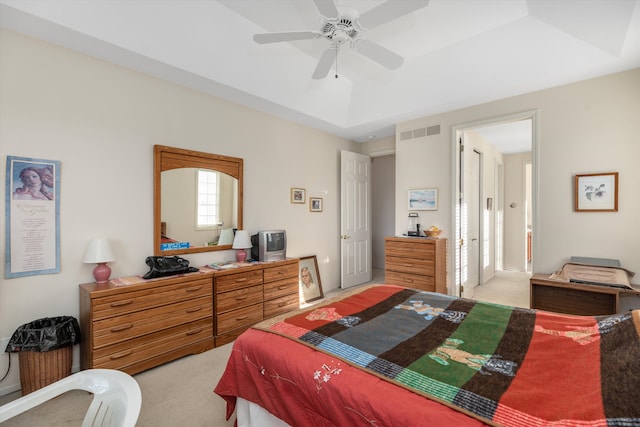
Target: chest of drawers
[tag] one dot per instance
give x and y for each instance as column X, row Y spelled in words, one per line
column 136, row 327
column 249, row 294
column 416, row 262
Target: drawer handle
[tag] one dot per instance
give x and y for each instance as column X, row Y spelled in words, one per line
column 282, row 304
column 282, row 272
column 122, row 328
column 281, row 287
column 121, row 355
column 408, row 280
column 194, row 288
column 241, row 318
column 241, row 279
column 193, row 309
column 197, row 331
column 121, row 303
column 407, row 265
column 241, row 298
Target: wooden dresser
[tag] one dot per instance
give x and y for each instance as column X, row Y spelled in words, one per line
column 246, row 295
column 416, row 262
column 138, row 326
column 133, row 327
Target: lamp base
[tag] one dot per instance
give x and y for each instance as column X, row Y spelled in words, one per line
column 102, row 272
column 241, row 255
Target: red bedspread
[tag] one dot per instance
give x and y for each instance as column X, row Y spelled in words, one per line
column 310, row 388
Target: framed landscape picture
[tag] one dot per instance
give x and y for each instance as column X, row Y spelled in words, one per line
column 423, row 199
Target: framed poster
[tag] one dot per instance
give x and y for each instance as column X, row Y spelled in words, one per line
column 310, row 286
column 596, row 192
column 423, row 199
column 32, row 217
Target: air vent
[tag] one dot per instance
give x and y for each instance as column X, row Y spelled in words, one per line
column 419, row 132
column 406, row 134
column 433, row 130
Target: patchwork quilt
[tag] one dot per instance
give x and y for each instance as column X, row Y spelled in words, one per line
column 503, row 365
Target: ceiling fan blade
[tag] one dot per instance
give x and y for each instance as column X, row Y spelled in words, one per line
column 379, row 54
column 285, row 37
column 327, row 8
column 326, row 61
column 388, row 11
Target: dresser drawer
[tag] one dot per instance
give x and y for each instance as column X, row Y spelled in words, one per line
column 410, row 249
column 238, row 318
column 122, row 328
column 416, row 281
column 241, row 279
column 239, row 298
column 410, row 265
column 281, row 305
column 281, row 272
column 281, row 288
column 117, row 356
column 127, row 302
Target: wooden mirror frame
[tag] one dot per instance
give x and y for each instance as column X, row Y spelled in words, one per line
column 167, row 158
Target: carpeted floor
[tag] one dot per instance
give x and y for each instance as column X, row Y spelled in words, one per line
column 180, row 393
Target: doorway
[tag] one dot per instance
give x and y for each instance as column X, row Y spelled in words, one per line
column 493, row 207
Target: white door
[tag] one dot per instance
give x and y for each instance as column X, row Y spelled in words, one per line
column 355, row 230
column 471, row 212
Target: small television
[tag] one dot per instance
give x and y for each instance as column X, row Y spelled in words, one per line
column 269, row 245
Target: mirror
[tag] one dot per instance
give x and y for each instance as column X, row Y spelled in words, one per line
column 176, row 174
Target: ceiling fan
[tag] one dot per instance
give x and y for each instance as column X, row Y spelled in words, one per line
column 340, row 28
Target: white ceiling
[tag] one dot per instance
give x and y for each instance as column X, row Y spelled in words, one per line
column 457, row 52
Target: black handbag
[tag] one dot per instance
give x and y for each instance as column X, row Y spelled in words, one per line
column 161, row 266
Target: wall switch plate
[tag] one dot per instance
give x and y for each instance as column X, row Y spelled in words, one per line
column 3, row 344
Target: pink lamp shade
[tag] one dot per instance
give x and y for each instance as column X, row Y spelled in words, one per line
column 99, row 252
column 241, row 242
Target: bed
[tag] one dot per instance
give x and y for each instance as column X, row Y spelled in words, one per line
column 385, row 355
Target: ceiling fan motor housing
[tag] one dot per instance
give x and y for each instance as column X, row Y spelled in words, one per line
column 340, row 30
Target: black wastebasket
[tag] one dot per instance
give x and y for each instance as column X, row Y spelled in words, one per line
column 45, row 349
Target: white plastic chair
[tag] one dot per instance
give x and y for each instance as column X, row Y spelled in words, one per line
column 116, row 398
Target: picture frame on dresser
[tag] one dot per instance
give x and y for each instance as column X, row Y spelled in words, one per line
column 310, row 284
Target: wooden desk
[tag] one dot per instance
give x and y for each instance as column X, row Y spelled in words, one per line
column 575, row 298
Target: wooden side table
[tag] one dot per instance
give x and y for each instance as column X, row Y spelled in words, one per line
column 575, row 298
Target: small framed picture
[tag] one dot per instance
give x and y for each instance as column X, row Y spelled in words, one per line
column 423, row 199
column 298, row 195
column 596, row 192
column 315, row 204
column 310, row 286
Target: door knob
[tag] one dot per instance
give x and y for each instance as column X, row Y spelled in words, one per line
column 345, row 237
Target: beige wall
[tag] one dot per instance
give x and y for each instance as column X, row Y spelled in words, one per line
column 585, row 127
column 101, row 121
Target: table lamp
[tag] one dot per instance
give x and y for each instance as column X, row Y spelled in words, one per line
column 241, row 242
column 226, row 237
column 99, row 251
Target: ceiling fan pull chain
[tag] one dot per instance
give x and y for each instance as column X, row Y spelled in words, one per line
column 337, row 49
